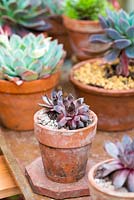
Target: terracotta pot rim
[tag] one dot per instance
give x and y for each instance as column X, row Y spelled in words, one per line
column 81, row 21
column 58, row 131
column 27, row 86
column 82, row 26
column 96, row 90
column 93, row 184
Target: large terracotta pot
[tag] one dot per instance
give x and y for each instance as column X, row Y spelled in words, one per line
column 65, row 152
column 58, row 31
column 114, row 108
column 98, row 193
column 79, row 33
column 19, row 103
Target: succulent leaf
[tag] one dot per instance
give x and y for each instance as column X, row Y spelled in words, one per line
column 29, row 75
column 111, row 149
column 103, row 22
column 123, row 14
column 126, row 141
column 130, row 32
column 130, row 182
column 124, row 25
column 113, row 34
column 112, row 55
column 100, row 38
column 120, row 177
column 122, row 43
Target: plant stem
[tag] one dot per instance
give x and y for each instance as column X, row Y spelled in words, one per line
column 124, row 61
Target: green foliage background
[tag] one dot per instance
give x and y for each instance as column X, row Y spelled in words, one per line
column 85, row 9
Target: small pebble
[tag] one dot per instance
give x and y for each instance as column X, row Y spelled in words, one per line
column 107, row 184
column 44, row 120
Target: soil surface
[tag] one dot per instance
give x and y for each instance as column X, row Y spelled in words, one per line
column 103, row 75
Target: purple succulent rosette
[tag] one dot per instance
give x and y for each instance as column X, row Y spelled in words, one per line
column 121, row 169
column 70, row 113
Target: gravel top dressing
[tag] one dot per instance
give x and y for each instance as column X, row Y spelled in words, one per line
column 104, row 76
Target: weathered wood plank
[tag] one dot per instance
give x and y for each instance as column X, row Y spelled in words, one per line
column 15, row 169
column 8, row 186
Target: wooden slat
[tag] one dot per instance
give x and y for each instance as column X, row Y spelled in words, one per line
column 8, row 186
column 16, row 170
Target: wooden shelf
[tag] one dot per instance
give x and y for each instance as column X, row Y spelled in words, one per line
column 8, row 186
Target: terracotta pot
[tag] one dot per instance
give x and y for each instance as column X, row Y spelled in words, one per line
column 79, row 33
column 58, row 31
column 65, row 152
column 98, row 193
column 19, row 103
column 114, row 108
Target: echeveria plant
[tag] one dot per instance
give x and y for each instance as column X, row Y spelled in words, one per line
column 119, row 33
column 28, row 58
column 28, row 14
column 121, row 169
column 70, row 113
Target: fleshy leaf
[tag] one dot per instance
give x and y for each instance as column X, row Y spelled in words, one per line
column 20, row 70
column 111, row 149
column 102, row 38
column 80, row 124
column 126, row 140
column 130, row 52
column 113, row 34
column 103, row 22
column 124, row 25
column 119, row 177
column 62, row 122
column 123, row 14
column 29, row 76
column 130, row 32
column 36, row 66
column 130, row 182
column 122, row 43
column 112, row 55
column 109, row 168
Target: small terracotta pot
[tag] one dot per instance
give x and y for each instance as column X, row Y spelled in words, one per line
column 19, row 103
column 58, row 31
column 98, row 193
column 65, row 152
column 114, row 108
column 79, row 33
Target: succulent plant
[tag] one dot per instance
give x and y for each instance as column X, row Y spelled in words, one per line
column 70, row 113
column 119, row 33
column 121, row 169
column 28, row 58
column 85, row 9
column 28, row 14
column 55, row 7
